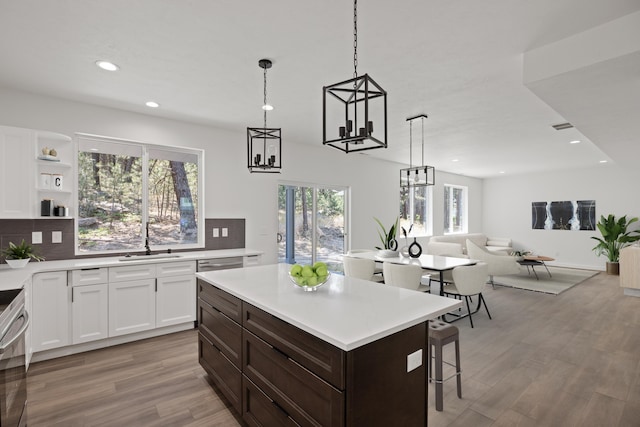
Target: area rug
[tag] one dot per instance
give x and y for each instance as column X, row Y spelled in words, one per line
column 561, row 279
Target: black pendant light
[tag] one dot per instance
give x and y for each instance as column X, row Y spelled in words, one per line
column 264, row 145
column 354, row 112
column 418, row 176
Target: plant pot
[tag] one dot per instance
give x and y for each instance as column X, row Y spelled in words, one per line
column 613, row 268
column 387, row 253
column 17, row 263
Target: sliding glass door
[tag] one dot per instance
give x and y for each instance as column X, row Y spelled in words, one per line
column 312, row 224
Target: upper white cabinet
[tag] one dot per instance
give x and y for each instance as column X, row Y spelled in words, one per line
column 17, row 176
column 27, row 176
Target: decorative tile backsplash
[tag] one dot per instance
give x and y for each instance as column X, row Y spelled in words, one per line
column 14, row 230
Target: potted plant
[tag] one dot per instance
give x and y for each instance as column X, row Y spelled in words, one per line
column 17, row 256
column 388, row 239
column 615, row 236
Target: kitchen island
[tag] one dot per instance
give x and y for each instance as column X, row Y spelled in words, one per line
column 351, row 353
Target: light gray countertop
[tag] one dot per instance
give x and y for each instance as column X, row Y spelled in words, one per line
column 346, row 312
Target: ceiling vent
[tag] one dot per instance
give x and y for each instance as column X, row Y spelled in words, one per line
column 562, row 126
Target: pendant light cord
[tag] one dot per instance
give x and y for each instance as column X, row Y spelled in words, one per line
column 355, row 39
column 265, row 97
column 422, row 120
column 410, row 144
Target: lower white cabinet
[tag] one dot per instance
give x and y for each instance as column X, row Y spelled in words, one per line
column 132, row 306
column 89, row 312
column 50, row 311
column 175, row 300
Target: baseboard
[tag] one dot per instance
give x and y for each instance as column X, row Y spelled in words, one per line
column 632, row 292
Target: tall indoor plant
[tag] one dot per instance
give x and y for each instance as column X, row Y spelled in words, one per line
column 615, row 236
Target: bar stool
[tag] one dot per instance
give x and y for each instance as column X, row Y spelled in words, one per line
column 441, row 334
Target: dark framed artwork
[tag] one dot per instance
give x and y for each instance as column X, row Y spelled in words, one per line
column 565, row 215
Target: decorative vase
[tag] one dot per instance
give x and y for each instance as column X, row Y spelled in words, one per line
column 613, row 268
column 404, row 251
column 415, row 250
column 17, row 263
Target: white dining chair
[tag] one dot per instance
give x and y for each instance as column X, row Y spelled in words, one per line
column 360, row 268
column 378, row 268
column 404, row 276
column 469, row 281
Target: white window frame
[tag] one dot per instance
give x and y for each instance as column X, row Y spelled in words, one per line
column 146, row 147
column 464, row 226
column 428, row 223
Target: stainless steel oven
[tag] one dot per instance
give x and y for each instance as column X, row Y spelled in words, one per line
column 14, row 321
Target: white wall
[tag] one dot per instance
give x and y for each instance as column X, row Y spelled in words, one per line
column 507, row 208
column 230, row 190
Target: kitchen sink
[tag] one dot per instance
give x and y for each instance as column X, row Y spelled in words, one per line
column 154, row 256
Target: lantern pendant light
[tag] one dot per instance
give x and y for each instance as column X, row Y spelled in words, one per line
column 264, row 145
column 418, row 176
column 351, row 108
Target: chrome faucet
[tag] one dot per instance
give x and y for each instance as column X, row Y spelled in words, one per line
column 146, row 240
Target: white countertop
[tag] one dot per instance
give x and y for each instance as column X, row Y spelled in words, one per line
column 12, row 278
column 346, row 312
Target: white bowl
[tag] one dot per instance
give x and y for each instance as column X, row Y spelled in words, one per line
column 17, row 263
column 310, row 288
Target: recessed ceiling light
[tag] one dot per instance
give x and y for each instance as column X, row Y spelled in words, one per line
column 575, row 142
column 603, row 161
column 93, row 149
column 106, row 65
column 501, row 172
column 152, row 104
column 267, row 107
column 455, row 160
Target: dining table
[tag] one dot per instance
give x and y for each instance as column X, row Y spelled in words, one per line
column 436, row 263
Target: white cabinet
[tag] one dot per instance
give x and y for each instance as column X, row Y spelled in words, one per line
column 17, row 176
column 176, row 296
column 89, row 312
column 89, row 304
column 132, row 306
column 50, row 316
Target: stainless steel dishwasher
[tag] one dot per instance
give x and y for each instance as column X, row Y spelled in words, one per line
column 220, row 263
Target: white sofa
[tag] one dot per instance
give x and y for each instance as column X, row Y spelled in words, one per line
column 456, row 244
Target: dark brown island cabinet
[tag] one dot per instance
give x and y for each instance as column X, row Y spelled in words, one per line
column 276, row 374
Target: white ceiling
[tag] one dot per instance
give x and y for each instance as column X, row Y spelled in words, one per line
column 459, row 61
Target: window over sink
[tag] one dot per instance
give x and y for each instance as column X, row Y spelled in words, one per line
column 126, row 187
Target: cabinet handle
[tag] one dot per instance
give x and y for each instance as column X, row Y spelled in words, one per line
column 87, row 269
column 280, row 408
column 280, row 352
column 156, row 285
column 72, row 289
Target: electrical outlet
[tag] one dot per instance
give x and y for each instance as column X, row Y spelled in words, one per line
column 36, row 237
column 414, row 360
column 56, row 237
column 216, row 232
column 225, row 232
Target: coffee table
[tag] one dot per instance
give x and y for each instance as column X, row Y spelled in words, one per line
column 535, row 260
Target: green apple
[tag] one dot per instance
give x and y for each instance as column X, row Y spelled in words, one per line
column 307, row 271
column 296, row 270
column 312, row 281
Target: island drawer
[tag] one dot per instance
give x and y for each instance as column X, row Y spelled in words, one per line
column 258, row 410
column 223, row 332
column 308, row 399
column 223, row 373
column 320, row 357
column 220, row 300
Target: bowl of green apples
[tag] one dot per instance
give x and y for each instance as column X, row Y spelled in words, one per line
column 309, row 277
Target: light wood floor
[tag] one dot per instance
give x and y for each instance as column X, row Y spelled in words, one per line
column 567, row 360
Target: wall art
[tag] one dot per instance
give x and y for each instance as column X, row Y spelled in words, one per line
column 566, row 215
